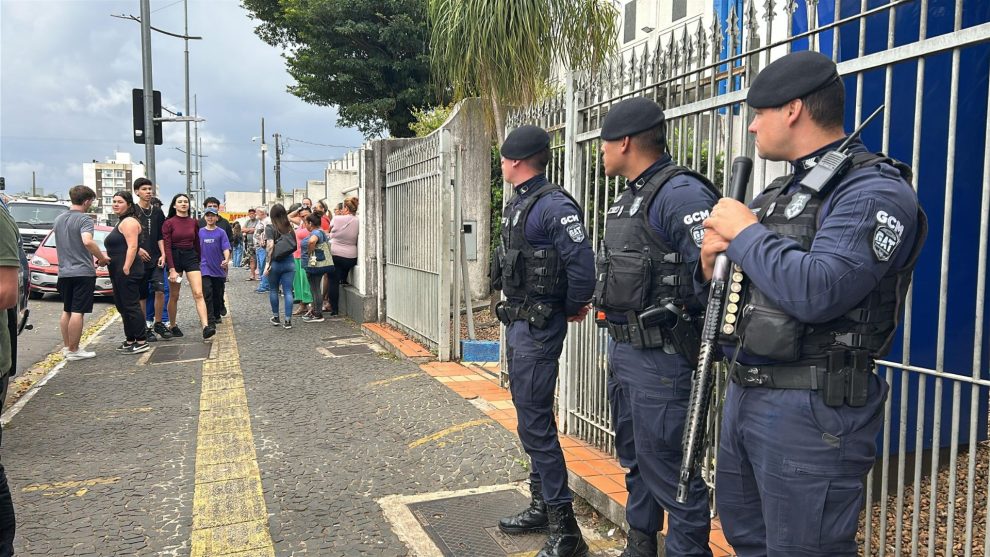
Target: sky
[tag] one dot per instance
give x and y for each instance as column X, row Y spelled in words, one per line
column 67, row 69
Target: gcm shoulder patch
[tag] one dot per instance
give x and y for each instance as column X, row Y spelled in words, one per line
column 576, row 232
column 885, row 241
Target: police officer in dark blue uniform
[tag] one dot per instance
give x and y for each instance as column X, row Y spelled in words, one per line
column 822, row 263
column 545, row 268
column 653, row 236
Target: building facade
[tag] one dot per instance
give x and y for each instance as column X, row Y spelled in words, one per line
column 106, row 178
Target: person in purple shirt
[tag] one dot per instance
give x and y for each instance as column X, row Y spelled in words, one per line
column 821, row 269
column 214, row 249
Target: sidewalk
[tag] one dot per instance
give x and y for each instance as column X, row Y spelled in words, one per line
column 593, row 474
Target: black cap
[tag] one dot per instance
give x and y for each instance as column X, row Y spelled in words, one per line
column 630, row 117
column 791, row 77
column 524, row 142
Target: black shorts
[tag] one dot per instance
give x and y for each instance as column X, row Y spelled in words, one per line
column 77, row 293
column 154, row 277
column 185, row 260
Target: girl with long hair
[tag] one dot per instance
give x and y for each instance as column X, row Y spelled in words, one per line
column 281, row 266
column 126, row 272
column 181, row 235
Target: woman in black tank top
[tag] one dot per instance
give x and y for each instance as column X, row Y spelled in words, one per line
column 126, row 271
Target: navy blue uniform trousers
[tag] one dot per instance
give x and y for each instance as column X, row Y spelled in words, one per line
column 648, row 393
column 790, row 470
column 532, row 357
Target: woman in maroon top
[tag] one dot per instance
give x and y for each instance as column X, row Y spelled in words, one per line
column 181, row 235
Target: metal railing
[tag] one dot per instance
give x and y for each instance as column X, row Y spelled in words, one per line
column 927, row 61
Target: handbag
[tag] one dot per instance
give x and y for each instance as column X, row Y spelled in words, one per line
column 321, row 258
column 285, row 245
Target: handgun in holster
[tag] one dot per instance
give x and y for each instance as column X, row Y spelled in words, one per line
column 681, row 329
column 502, row 314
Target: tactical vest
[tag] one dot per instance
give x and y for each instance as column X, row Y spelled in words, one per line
column 637, row 268
column 766, row 331
column 520, row 270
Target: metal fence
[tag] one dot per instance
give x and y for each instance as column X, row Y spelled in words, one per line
column 928, row 61
column 418, row 221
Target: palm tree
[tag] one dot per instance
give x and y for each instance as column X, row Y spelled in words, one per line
column 505, row 50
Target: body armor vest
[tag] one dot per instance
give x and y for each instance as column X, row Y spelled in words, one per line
column 637, row 269
column 520, row 270
column 766, row 331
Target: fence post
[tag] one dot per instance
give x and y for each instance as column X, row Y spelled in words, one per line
column 445, row 263
column 566, row 393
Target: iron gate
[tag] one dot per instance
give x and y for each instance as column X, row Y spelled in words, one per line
column 928, row 61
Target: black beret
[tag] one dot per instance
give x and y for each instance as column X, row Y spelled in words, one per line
column 630, row 117
column 791, row 77
column 524, row 142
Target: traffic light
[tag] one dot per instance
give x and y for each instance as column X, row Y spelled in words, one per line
column 137, row 96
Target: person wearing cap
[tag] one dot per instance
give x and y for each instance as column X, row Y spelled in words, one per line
column 214, row 250
column 249, row 247
column 545, row 268
column 645, row 298
column 824, row 259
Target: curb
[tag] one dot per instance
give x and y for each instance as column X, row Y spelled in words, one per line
column 398, row 344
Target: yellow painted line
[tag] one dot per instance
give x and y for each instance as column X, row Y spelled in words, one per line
column 448, row 431
column 393, row 379
column 229, row 513
column 66, row 486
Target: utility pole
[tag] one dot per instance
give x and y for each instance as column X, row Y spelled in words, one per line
column 199, row 156
column 264, row 148
column 149, row 115
column 278, row 168
column 34, row 190
column 188, row 150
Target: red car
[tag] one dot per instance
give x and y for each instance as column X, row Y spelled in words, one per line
column 43, row 266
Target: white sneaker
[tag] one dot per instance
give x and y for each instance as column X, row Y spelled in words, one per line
column 79, row 355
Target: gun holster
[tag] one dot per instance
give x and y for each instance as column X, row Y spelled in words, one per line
column 683, row 333
column 847, row 379
column 538, row 314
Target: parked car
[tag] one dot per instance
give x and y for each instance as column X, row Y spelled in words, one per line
column 35, row 217
column 44, row 266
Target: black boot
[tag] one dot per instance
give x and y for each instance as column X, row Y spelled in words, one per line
column 640, row 544
column 532, row 519
column 565, row 537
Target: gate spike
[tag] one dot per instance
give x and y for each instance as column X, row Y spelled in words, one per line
column 716, row 38
column 699, row 37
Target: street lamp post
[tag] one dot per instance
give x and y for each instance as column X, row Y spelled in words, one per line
column 149, row 115
column 264, row 149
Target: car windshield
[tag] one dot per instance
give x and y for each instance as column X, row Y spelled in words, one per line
column 98, row 235
column 36, row 215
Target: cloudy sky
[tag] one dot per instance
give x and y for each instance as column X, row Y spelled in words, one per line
column 66, row 73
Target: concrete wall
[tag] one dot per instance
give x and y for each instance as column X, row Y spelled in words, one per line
column 473, row 176
column 241, row 201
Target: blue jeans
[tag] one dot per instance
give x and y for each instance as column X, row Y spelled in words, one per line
column 262, row 256
column 149, row 304
column 282, row 274
column 238, row 254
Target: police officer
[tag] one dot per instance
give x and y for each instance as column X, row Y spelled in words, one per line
column 822, row 263
column 545, row 268
column 653, row 235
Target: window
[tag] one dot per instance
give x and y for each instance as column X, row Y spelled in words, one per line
column 120, row 173
column 678, row 10
column 629, row 23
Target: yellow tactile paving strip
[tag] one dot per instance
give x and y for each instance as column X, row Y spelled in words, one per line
column 229, row 513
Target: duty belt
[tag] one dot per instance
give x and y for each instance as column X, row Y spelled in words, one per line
column 536, row 313
column 842, row 377
column 639, row 337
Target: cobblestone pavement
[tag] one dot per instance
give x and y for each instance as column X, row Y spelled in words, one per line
column 103, row 459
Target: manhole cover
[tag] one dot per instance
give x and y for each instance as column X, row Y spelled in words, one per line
column 468, row 526
column 350, row 350
column 179, row 353
column 341, row 337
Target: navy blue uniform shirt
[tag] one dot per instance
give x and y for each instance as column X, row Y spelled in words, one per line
column 840, row 268
column 547, row 227
column 680, row 207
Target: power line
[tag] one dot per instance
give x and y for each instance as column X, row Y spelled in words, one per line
column 168, row 6
column 321, row 144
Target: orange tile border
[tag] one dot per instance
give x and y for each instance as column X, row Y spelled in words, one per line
column 581, row 468
column 583, row 453
column 605, row 485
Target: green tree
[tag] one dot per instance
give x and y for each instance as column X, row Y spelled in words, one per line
column 505, row 51
column 368, row 57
